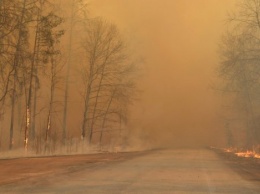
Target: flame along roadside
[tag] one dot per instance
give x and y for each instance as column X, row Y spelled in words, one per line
column 245, row 154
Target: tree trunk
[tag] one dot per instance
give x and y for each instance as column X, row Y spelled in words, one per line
column 66, row 96
column 34, row 109
column 11, row 140
column 32, row 70
column 105, row 117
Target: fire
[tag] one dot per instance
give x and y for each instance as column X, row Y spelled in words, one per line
column 245, row 154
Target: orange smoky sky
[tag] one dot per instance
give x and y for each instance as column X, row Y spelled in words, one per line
column 179, row 41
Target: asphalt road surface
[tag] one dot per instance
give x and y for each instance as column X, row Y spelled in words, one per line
column 159, row 171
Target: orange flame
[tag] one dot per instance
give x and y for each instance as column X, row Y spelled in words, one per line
column 245, row 154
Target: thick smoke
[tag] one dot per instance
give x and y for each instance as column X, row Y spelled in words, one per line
column 179, row 41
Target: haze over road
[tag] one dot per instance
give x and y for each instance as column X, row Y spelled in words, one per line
column 160, row 171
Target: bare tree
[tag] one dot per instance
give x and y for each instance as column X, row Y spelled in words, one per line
column 106, row 76
column 55, row 68
column 43, row 41
column 78, row 14
column 21, row 41
column 240, row 67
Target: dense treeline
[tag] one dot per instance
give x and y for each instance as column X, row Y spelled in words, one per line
column 65, row 77
column 240, row 72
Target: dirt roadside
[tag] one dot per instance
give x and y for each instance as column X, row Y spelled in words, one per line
column 18, row 169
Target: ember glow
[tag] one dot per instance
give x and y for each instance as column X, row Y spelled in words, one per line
column 228, row 149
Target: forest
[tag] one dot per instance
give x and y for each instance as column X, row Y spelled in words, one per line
column 67, row 78
column 239, row 72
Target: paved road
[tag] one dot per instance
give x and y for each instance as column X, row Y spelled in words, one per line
column 161, row 171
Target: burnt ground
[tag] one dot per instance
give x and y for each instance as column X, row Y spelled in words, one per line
column 248, row 168
column 23, row 169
